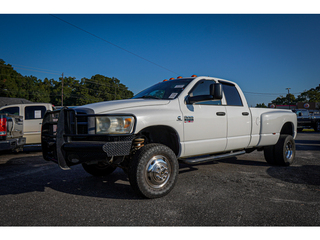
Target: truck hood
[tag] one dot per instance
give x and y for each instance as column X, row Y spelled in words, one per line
column 103, row 107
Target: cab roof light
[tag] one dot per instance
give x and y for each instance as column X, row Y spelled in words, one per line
column 165, row 80
column 171, row 78
column 194, row 76
column 179, row 77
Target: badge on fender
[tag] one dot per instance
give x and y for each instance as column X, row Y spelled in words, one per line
column 188, row 119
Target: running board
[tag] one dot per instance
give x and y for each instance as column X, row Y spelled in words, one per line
column 211, row 158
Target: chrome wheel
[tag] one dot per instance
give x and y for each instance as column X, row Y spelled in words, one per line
column 289, row 150
column 158, row 171
column 153, row 170
column 283, row 153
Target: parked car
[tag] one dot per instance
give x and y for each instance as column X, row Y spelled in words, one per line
column 11, row 132
column 307, row 119
column 315, row 119
column 32, row 114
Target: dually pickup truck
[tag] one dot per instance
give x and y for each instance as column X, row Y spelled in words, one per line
column 189, row 120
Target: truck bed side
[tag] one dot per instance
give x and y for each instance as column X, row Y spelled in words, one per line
column 267, row 125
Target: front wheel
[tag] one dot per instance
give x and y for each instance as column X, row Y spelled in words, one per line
column 153, row 171
column 283, row 153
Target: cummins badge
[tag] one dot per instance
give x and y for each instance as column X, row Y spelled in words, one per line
column 188, row 119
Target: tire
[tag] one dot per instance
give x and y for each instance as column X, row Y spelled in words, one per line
column 317, row 126
column 269, row 155
column 283, row 153
column 99, row 169
column 153, row 171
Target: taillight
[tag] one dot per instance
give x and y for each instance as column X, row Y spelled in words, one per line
column 3, row 127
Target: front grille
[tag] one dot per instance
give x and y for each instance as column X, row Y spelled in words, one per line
column 79, row 123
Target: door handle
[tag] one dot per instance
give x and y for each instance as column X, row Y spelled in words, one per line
column 245, row 114
column 220, row 113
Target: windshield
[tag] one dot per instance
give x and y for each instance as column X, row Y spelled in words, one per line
column 165, row 90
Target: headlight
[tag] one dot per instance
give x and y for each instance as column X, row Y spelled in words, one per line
column 114, row 124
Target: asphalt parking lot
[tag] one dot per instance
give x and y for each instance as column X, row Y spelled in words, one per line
column 242, row 191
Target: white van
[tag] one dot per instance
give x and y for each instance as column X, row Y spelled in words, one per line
column 32, row 118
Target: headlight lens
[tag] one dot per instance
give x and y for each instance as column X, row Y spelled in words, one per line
column 114, row 124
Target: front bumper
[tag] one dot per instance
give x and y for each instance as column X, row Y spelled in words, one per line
column 68, row 138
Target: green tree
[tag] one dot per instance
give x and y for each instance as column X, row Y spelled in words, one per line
column 96, row 89
column 261, row 105
column 9, row 81
column 288, row 99
column 312, row 95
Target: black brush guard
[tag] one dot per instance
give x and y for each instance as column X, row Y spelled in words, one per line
column 68, row 138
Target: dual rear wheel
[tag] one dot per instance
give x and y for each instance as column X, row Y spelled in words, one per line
column 283, row 153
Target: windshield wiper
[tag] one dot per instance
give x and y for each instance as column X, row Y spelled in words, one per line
column 148, row 96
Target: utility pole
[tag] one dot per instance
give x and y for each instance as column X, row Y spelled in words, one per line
column 62, row 91
column 288, row 96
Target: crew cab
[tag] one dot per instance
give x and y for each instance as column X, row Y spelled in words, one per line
column 190, row 120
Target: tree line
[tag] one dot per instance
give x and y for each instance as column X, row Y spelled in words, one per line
column 311, row 95
column 75, row 93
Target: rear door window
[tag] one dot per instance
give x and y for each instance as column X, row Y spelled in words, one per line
column 34, row 112
column 232, row 95
column 10, row 110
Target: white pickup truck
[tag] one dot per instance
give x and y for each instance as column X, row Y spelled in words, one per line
column 191, row 120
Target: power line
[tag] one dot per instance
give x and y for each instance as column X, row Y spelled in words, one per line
column 112, row 44
column 37, row 71
column 32, row 69
column 36, row 68
column 276, row 94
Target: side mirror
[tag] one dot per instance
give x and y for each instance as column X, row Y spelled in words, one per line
column 215, row 94
column 216, row 91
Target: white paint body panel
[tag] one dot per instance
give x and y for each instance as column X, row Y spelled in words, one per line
column 208, row 133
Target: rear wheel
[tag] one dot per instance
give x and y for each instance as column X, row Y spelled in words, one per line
column 317, row 126
column 153, row 171
column 99, row 169
column 283, row 153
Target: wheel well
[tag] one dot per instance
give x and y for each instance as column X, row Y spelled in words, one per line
column 287, row 128
column 164, row 135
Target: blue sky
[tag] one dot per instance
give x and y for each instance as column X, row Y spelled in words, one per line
column 263, row 53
